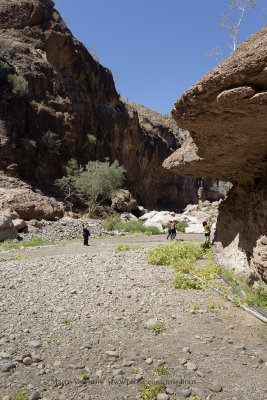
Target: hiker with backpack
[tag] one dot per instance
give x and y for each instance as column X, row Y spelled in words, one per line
column 173, row 230
column 207, row 229
column 169, row 230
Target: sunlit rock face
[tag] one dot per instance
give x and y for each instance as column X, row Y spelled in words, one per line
column 72, row 110
column 226, row 115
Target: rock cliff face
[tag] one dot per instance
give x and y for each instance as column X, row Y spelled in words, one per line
column 58, row 103
column 226, row 114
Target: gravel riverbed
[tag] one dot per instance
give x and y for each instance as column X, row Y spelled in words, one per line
column 75, row 323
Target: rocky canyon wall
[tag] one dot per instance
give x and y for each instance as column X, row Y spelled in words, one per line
column 57, row 103
column 226, row 114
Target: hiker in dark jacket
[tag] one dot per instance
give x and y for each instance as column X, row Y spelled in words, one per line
column 86, row 235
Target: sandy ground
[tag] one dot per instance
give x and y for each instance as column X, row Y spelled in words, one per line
column 74, row 324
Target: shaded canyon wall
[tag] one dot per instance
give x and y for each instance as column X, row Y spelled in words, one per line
column 72, row 110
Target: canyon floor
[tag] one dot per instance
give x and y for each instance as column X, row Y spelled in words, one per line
column 75, row 325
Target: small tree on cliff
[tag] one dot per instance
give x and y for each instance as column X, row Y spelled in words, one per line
column 232, row 21
column 96, row 182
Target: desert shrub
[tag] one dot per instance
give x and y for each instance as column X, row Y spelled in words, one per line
column 126, row 247
column 35, row 241
column 161, row 370
column 153, row 230
column 19, row 85
column 131, row 226
column 20, row 395
column 186, row 282
column 209, row 271
column 181, row 226
column 111, row 221
column 51, row 142
column 157, row 327
column 151, row 390
column 91, row 138
column 172, row 253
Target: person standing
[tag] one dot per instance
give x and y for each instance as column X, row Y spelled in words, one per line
column 169, row 230
column 173, row 230
column 86, row 234
column 207, row 228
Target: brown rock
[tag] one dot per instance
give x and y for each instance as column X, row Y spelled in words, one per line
column 28, row 204
column 123, row 201
column 7, row 229
column 19, row 223
column 225, row 113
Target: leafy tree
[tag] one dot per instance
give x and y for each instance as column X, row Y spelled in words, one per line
column 98, row 181
column 232, row 21
column 67, row 182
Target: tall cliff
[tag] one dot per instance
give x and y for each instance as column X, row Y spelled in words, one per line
column 226, row 114
column 58, row 103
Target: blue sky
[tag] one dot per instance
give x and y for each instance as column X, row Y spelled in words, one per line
column 155, row 49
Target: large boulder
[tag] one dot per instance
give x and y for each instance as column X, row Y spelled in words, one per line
column 225, row 113
column 123, row 201
column 7, row 229
column 27, row 203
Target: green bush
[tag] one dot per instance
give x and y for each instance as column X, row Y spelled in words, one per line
column 18, row 84
column 125, row 247
column 157, row 328
column 181, row 226
column 161, row 370
column 35, row 241
column 20, row 395
column 173, row 253
column 209, row 271
column 151, row 390
column 51, row 142
column 111, row 221
column 186, row 282
column 131, row 226
column 153, row 230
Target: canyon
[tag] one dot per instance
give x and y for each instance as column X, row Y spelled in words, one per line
column 63, row 104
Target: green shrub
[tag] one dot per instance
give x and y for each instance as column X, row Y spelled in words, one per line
column 131, row 226
column 35, row 241
column 181, row 226
column 111, row 221
column 20, row 395
column 125, row 247
column 51, row 142
column 151, row 390
column 172, row 253
column 186, row 282
column 161, row 370
column 153, row 230
column 18, row 84
column 91, row 139
column 157, row 328
column 209, row 271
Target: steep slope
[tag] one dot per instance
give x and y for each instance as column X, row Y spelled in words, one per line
column 58, row 103
column 226, row 114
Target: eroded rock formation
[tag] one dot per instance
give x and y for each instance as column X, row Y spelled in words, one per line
column 226, row 114
column 72, row 110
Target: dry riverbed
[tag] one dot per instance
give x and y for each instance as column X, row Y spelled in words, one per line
column 76, row 323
